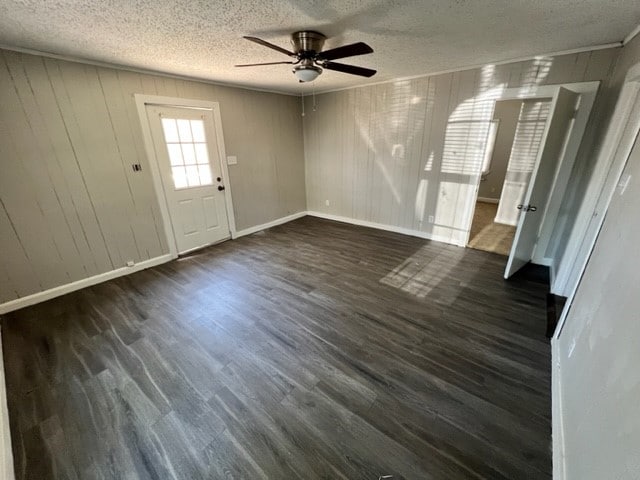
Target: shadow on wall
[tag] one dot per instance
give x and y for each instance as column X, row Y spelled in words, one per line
column 410, row 153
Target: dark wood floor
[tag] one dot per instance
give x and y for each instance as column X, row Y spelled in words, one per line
column 312, row 350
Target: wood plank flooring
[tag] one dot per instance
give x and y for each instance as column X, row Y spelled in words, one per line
column 314, row 350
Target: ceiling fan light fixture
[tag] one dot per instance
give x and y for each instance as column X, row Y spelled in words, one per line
column 309, row 58
column 307, row 73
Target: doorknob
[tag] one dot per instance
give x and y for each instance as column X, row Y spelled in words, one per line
column 220, row 188
column 527, row 208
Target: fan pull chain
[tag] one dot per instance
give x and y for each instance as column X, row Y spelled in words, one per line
column 302, row 99
column 313, row 92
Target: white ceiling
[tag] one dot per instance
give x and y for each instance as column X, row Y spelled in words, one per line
column 203, row 38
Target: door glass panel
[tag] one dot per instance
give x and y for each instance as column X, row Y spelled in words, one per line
column 205, row 174
column 197, row 128
column 179, row 177
column 170, row 130
column 193, row 179
column 175, row 154
column 201, row 154
column 184, row 129
column 188, row 152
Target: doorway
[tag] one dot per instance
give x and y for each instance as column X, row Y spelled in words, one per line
column 513, row 141
column 545, row 184
column 186, row 151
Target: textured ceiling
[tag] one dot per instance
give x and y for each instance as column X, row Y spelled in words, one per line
column 202, row 38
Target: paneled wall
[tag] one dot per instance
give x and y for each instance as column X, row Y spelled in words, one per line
column 407, row 154
column 72, row 207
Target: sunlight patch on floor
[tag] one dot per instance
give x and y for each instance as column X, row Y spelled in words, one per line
column 419, row 274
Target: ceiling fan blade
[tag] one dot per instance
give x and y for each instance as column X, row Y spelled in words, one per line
column 264, row 43
column 260, row 64
column 345, row 51
column 351, row 69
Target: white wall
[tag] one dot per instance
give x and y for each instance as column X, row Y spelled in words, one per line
column 71, row 206
column 598, row 353
column 600, row 350
column 507, row 112
column 399, row 153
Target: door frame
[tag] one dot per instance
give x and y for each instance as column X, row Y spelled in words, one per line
column 622, row 133
column 616, row 147
column 142, row 101
column 588, row 92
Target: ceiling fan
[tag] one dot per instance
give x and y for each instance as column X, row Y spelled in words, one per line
column 310, row 59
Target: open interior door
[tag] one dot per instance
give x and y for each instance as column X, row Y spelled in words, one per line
column 558, row 127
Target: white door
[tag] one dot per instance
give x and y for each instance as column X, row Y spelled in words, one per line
column 563, row 107
column 190, row 168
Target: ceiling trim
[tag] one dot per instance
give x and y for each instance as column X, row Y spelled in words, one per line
column 631, row 36
column 306, row 90
column 144, row 71
column 471, row 67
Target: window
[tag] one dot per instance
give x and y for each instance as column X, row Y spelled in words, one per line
column 187, row 149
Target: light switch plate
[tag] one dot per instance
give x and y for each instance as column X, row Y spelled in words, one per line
column 232, row 160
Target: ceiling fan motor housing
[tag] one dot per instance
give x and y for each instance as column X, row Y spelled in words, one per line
column 307, row 43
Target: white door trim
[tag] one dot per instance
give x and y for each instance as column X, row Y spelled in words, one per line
column 141, row 105
column 609, row 166
column 588, row 91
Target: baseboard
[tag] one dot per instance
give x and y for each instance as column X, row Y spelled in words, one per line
column 103, row 277
column 273, row 223
column 488, row 200
column 77, row 285
column 381, row 226
column 6, row 456
column 503, row 221
column 557, row 423
column 544, row 261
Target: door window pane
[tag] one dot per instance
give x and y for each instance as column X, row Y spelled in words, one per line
column 188, row 152
column 202, row 155
column 170, row 130
column 205, row 175
column 193, row 179
column 175, row 154
column 197, row 129
column 179, row 177
column 184, row 129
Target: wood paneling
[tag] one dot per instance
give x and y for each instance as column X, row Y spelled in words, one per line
column 398, row 153
column 72, row 207
column 312, row 350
